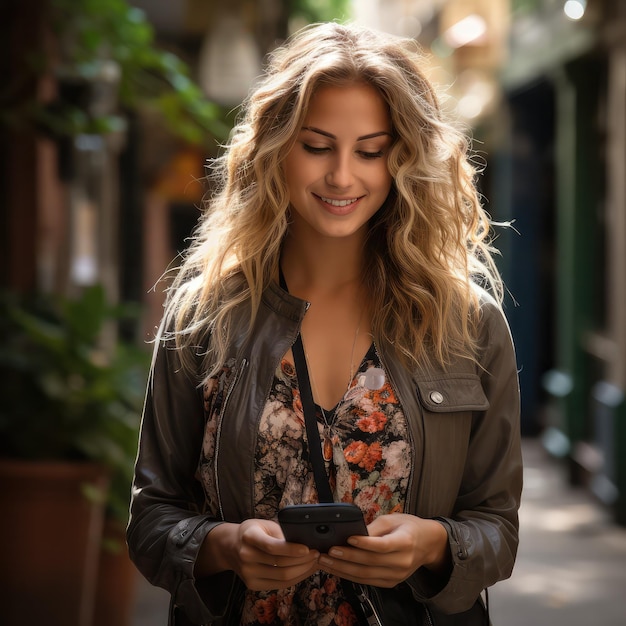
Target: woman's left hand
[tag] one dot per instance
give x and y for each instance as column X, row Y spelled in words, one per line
column 398, row 544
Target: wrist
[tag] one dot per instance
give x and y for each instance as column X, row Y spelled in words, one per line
column 439, row 558
column 214, row 554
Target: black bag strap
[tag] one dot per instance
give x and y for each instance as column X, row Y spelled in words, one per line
column 324, row 492
column 310, row 420
column 355, row 594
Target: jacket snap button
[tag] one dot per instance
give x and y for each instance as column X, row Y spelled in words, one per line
column 436, row 397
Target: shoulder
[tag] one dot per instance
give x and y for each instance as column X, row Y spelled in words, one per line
column 489, row 312
column 493, row 331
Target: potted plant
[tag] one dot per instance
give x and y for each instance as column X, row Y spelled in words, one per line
column 69, row 420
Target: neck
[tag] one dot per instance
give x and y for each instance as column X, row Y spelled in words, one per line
column 323, row 264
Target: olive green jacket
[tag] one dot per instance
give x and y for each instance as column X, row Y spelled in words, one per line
column 465, row 435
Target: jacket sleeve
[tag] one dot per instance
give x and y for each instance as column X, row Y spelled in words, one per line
column 483, row 526
column 167, row 524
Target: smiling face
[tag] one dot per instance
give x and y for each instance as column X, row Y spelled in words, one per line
column 336, row 172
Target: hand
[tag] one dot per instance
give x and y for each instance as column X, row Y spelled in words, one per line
column 397, row 545
column 257, row 552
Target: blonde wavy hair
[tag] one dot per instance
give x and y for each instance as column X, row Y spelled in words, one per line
column 427, row 247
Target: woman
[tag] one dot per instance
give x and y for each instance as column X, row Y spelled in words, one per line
column 345, row 215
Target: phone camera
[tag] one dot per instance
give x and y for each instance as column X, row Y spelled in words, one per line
column 322, row 529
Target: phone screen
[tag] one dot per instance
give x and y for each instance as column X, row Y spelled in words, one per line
column 321, row 526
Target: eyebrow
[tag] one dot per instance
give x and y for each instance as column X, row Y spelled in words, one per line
column 331, row 136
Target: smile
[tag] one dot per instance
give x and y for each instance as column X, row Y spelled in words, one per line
column 339, row 203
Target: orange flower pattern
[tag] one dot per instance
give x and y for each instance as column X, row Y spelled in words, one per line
column 370, row 466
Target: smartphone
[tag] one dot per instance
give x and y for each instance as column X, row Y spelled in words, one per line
column 321, row 526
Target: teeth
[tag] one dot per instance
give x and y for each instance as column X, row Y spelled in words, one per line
column 338, row 202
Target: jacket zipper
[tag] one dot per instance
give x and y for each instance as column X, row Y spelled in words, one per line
column 244, row 363
column 429, row 617
column 187, row 533
column 240, row 368
column 461, row 549
column 371, row 614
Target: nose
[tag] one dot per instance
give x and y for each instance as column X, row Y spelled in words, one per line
column 340, row 173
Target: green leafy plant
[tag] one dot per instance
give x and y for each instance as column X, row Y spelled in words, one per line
column 320, row 10
column 63, row 397
column 110, row 44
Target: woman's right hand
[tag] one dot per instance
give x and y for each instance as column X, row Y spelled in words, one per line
column 257, row 552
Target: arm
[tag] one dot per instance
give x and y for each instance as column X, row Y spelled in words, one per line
column 471, row 486
column 483, row 528
column 173, row 542
column 167, row 524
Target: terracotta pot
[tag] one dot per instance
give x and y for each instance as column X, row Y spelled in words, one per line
column 117, row 579
column 50, row 537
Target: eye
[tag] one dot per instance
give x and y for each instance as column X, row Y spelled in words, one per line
column 371, row 155
column 314, row 149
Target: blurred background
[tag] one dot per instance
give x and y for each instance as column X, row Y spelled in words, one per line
column 109, row 110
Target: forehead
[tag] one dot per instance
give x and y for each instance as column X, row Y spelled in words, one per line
column 357, row 107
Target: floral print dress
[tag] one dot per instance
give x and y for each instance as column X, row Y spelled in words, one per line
column 370, row 466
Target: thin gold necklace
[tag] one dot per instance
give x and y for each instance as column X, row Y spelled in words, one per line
column 327, row 430
column 327, row 448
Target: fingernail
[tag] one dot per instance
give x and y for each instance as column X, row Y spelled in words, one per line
column 324, row 560
column 336, row 552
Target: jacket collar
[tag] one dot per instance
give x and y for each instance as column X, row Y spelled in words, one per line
column 283, row 303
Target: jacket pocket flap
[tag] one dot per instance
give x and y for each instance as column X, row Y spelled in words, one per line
column 453, row 393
